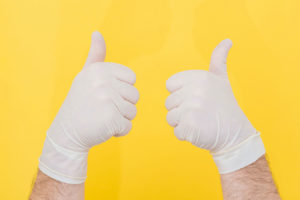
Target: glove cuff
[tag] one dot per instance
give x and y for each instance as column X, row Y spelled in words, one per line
column 63, row 164
column 240, row 156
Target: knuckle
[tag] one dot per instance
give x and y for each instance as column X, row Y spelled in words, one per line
column 133, row 112
column 178, row 132
column 171, row 118
column 132, row 76
column 168, row 103
column 124, row 127
column 137, row 95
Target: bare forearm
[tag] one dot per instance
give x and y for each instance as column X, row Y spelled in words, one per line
column 252, row 182
column 51, row 189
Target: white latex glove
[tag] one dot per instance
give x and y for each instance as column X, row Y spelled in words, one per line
column 99, row 105
column 204, row 111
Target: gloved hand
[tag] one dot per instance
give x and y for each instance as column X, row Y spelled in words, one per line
column 204, row 111
column 99, row 105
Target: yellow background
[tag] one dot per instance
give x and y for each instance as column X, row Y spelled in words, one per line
column 43, row 45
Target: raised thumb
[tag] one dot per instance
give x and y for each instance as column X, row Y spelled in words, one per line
column 219, row 58
column 97, row 50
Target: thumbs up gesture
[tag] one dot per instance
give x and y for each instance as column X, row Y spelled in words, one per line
column 203, row 111
column 99, row 105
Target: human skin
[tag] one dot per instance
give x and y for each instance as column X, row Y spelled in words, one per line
column 50, row 189
column 253, row 182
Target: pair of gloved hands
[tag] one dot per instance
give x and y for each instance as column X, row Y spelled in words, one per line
column 101, row 103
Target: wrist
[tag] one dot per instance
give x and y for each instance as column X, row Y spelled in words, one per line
column 63, row 164
column 240, row 155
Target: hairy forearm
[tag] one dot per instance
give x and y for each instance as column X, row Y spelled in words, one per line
column 51, row 189
column 252, row 182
